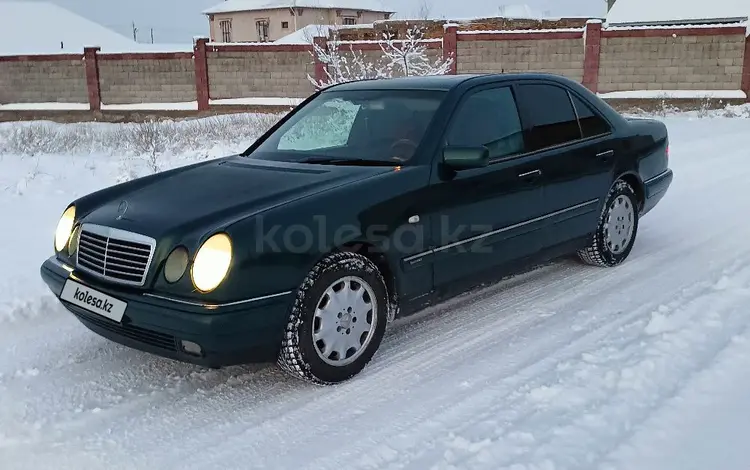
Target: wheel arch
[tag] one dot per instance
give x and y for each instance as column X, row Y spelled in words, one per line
column 635, row 182
column 379, row 258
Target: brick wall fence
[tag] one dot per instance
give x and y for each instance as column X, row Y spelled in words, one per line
column 603, row 59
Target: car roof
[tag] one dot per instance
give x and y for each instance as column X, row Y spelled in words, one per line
column 436, row 82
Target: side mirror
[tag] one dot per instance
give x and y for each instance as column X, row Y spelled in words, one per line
column 466, row 158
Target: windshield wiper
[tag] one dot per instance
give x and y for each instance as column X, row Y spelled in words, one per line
column 347, row 161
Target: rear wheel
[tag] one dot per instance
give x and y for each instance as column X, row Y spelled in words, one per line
column 337, row 321
column 618, row 225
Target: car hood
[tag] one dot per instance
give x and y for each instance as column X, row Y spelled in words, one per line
column 219, row 193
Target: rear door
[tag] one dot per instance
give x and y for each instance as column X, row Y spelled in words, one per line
column 576, row 157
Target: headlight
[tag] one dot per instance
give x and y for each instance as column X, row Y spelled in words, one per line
column 212, row 262
column 64, row 228
column 176, row 265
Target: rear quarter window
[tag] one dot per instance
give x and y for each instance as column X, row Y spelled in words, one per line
column 553, row 119
column 592, row 124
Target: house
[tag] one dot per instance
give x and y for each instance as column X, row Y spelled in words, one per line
column 676, row 12
column 269, row 20
column 55, row 30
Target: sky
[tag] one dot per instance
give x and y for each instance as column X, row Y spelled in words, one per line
column 177, row 21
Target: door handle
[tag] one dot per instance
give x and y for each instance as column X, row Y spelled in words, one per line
column 605, row 155
column 530, row 174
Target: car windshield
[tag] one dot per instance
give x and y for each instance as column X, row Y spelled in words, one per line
column 354, row 127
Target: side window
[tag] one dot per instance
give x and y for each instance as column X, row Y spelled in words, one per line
column 553, row 119
column 591, row 123
column 490, row 118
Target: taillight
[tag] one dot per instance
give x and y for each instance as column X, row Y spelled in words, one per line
column 667, row 152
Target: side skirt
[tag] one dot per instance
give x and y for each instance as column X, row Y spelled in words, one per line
column 486, row 278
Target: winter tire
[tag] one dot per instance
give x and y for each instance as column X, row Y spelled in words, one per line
column 337, row 321
column 617, row 228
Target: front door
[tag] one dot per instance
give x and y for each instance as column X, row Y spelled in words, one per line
column 484, row 217
column 576, row 158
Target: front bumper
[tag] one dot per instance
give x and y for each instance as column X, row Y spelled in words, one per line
column 655, row 189
column 240, row 333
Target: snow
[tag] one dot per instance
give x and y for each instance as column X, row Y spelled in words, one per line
column 566, row 366
column 229, row 6
column 672, row 11
column 44, row 106
column 53, row 25
column 183, row 105
column 740, row 24
column 305, row 35
column 522, row 31
column 259, row 101
column 666, row 94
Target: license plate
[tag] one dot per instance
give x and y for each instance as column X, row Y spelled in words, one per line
column 93, row 300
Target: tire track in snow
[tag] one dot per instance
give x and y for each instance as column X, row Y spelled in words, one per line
column 194, row 417
column 405, row 373
column 497, row 388
column 584, row 398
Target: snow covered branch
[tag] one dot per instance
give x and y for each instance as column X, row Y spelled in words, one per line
column 398, row 58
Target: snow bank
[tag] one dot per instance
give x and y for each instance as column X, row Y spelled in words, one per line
column 184, row 105
column 522, row 31
column 44, row 107
column 193, row 136
column 671, row 94
column 60, row 31
column 666, row 11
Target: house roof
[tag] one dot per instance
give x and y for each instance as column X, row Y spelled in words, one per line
column 229, row 6
column 650, row 12
column 305, row 35
column 53, row 30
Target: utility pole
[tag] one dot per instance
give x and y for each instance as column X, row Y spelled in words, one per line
column 135, row 32
column 152, row 35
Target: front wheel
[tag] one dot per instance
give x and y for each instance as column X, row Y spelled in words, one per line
column 338, row 320
column 618, row 225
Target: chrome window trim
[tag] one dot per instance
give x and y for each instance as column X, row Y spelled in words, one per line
column 500, row 230
column 110, row 232
column 213, row 306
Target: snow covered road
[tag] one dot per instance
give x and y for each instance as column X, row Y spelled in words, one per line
column 564, row 367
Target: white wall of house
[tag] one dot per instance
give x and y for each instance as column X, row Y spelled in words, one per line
column 246, row 26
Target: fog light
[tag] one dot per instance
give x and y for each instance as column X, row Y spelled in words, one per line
column 191, row 348
column 176, row 265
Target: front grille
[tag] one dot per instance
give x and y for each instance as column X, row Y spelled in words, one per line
column 114, row 254
column 142, row 335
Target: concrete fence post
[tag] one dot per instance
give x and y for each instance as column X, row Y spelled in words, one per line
column 200, row 58
column 592, row 54
column 746, row 69
column 450, row 46
column 91, row 62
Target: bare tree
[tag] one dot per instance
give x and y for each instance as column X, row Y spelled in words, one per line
column 423, row 13
column 407, row 57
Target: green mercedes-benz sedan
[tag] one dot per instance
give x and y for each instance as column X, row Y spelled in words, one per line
column 369, row 201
